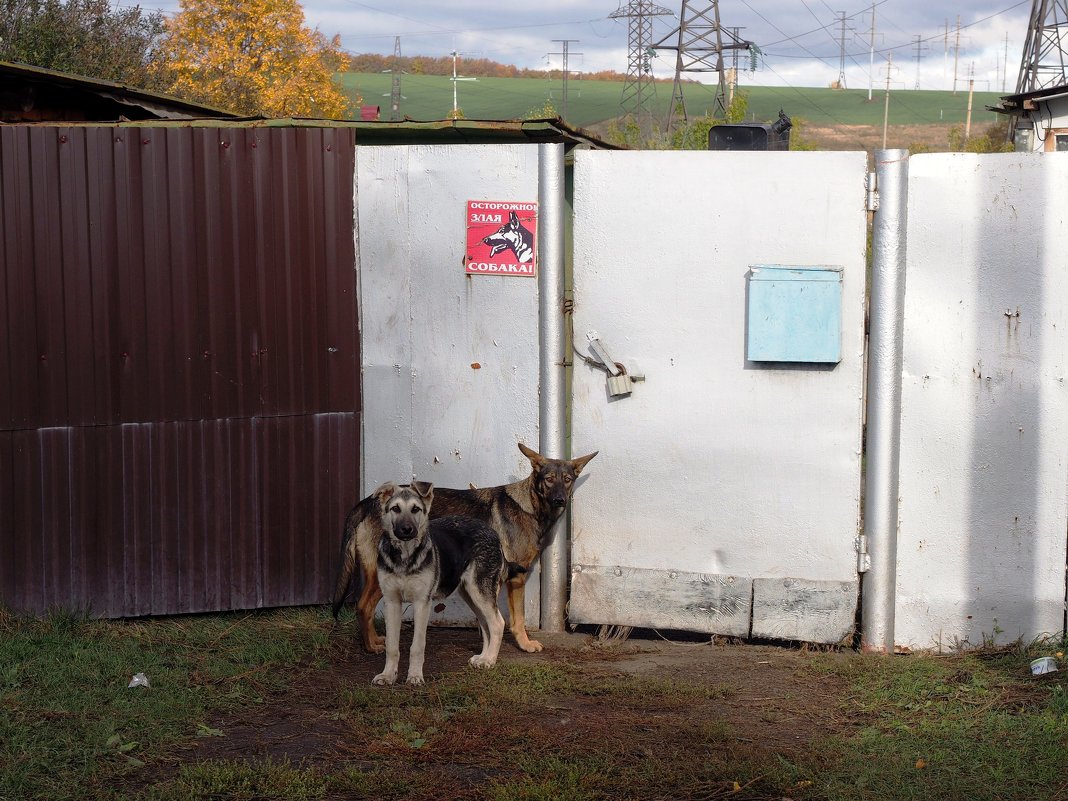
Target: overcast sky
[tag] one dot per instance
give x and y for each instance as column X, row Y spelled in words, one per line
column 800, row 40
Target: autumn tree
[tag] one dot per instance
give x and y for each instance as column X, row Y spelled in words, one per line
column 253, row 57
column 84, row 37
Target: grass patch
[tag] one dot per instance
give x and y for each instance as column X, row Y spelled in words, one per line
column 737, row 723
column 241, row 781
column 429, row 97
column 973, row 726
column 69, row 724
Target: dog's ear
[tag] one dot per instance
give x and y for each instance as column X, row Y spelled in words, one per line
column 536, row 459
column 513, row 219
column 425, row 490
column 384, row 493
column 580, row 462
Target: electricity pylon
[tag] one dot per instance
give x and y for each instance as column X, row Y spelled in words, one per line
column 699, row 42
column 1043, row 63
column 638, row 86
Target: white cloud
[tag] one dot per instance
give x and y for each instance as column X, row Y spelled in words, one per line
column 801, row 39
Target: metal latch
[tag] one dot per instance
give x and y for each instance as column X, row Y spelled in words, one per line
column 619, row 381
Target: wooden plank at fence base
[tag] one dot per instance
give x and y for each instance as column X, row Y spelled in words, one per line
column 660, row 599
column 804, row 610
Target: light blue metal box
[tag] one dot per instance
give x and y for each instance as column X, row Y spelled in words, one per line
column 794, row 314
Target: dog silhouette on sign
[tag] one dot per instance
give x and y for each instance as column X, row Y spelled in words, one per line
column 512, row 236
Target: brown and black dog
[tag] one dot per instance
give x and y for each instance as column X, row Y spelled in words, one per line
column 523, row 514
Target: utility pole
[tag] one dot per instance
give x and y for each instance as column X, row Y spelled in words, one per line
column 886, row 103
column 956, row 54
column 732, row 80
column 395, row 90
column 455, row 80
column 968, row 118
column 1005, row 66
column 564, row 52
column 871, row 53
column 945, row 54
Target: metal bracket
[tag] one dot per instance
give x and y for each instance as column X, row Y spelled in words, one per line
column 871, row 198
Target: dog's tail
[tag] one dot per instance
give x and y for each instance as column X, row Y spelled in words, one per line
column 514, row 569
column 349, row 572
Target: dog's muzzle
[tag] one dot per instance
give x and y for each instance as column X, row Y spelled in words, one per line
column 404, row 533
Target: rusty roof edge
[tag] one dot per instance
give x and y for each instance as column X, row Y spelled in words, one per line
column 544, row 129
column 119, row 92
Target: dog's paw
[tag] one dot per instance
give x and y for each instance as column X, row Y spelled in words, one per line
column 480, row 661
column 415, row 680
column 530, row 646
column 384, row 679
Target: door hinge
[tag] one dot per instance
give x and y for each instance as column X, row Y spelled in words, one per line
column 872, row 195
column 863, row 557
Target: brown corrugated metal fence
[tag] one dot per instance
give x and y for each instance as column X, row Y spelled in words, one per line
column 179, row 366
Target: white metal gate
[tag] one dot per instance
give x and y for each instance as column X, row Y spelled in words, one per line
column 984, row 418
column 450, row 361
column 726, row 496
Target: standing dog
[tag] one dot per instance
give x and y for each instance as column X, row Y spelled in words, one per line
column 514, row 236
column 522, row 513
column 420, row 561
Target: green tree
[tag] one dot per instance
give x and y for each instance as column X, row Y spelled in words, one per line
column 253, row 57
column 694, row 134
column 546, row 111
column 798, row 138
column 84, row 37
column 993, row 140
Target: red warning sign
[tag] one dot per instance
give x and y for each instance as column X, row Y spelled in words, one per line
column 502, row 238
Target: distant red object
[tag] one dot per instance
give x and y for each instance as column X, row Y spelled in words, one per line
column 370, row 112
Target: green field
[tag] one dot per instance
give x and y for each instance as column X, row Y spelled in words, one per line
column 429, row 97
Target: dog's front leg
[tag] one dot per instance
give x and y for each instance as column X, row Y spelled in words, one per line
column 517, row 614
column 420, row 620
column 393, row 628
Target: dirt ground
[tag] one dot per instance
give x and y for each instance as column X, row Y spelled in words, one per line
column 870, row 137
column 768, row 702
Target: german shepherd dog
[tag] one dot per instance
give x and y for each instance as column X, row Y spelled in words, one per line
column 420, row 560
column 522, row 513
column 513, row 236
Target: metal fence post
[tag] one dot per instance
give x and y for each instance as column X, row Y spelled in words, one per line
column 883, row 442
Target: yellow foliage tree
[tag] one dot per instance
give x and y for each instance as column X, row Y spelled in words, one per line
column 253, row 57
